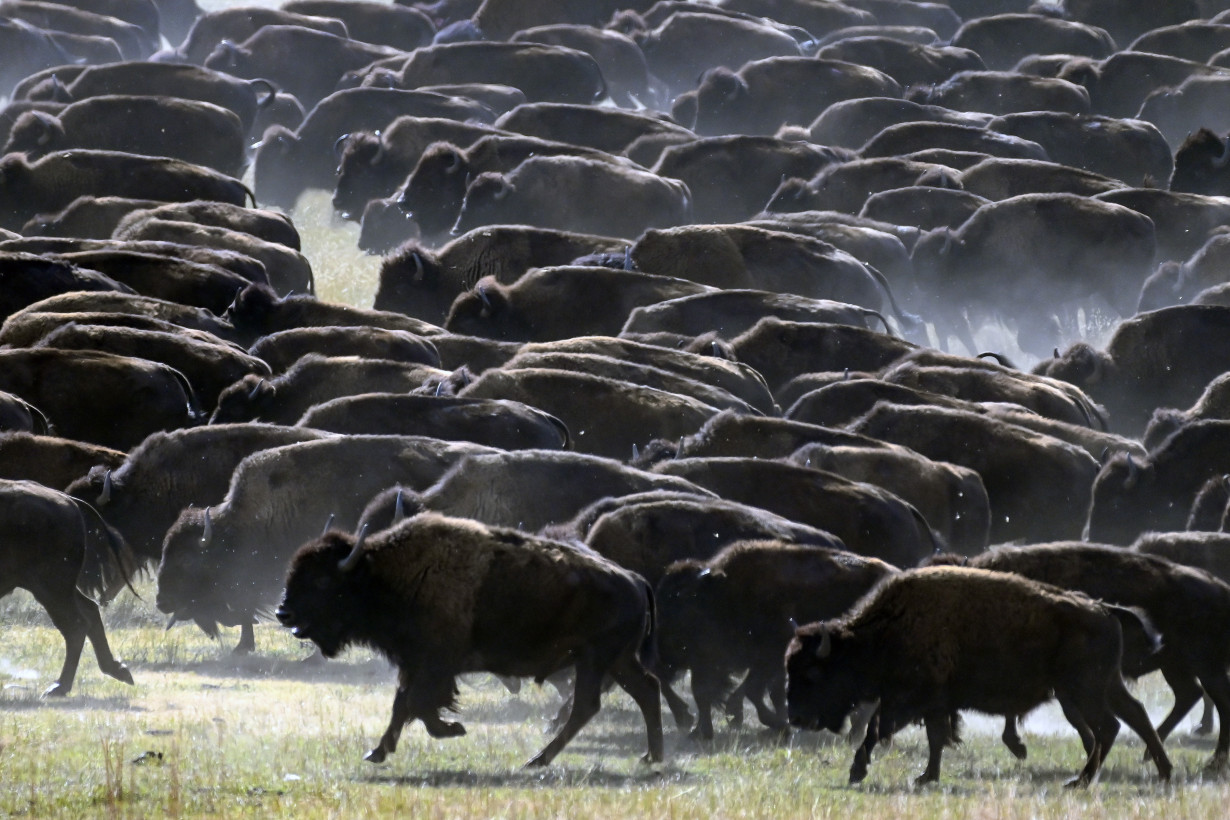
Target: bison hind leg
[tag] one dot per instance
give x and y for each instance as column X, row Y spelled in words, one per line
column 586, row 700
column 644, row 688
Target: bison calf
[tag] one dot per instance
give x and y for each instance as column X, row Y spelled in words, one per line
column 442, row 596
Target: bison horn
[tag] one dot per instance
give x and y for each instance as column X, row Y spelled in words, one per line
column 256, row 389
column 419, row 273
column 339, row 145
column 794, row 625
column 207, row 534
column 399, row 508
column 636, row 453
column 483, row 297
column 1133, row 473
column 171, row 621
column 105, row 495
column 679, row 449
column 505, row 187
column 352, row 560
column 328, row 524
column 455, row 165
column 628, row 258
column 826, row 644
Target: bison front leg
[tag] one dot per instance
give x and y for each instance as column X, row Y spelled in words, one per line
column 862, row 755
column 388, row 741
column 1012, row 739
column 939, row 730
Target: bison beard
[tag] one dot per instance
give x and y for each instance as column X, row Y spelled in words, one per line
column 442, row 596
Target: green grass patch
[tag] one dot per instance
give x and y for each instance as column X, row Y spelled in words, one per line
column 204, row 734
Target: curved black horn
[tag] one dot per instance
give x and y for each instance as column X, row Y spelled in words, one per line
column 352, row 560
column 207, row 534
column 105, row 495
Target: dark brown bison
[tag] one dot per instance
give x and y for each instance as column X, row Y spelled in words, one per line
column 209, row 364
column 870, row 521
column 732, row 614
column 258, row 311
column 423, row 283
column 1156, row 494
column 606, row 416
column 559, row 192
column 46, row 538
column 53, row 181
column 193, row 131
column 508, row 425
column 1040, row 487
column 442, row 596
column 933, row 641
column 143, row 494
column 1187, row 607
column 1163, row 358
column 285, row 347
column 226, row 562
column 314, row 379
column 560, row 302
column 100, row 398
column 168, row 79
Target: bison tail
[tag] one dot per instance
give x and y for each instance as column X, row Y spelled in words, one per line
column 648, row 650
column 909, row 321
column 1141, row 639
column 104, row 572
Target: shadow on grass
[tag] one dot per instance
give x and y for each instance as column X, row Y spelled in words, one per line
column 310, row 669
column 30, row 701
column 552, row 777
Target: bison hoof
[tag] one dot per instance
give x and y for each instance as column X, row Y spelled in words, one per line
column 857, row 774
column 1018, row 750
column 1217, row 763
column 443, row 728
column 925, row 779
column 56, row 690
column 1077, row 783
column 120, row 672
column 376, row 755
column 650, row 758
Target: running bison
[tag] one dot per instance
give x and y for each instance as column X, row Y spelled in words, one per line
column 44, row 540
column 443, row 596
column 929, row 642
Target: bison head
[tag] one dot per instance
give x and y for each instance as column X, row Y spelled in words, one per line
column 1202, row 165
column 822, row 677
column 486, row 311
column 187, row 586
column 436, row 188
column 324, row 592
column 245, row 400
column 1126, row 502
column 486, row 203
column 35, row 133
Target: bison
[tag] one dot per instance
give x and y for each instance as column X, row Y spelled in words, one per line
column 46, row 537
column 441, row 596
column 932, row 641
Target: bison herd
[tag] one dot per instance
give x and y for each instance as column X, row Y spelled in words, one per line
column 673, row 367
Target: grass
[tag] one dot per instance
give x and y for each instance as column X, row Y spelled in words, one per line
column 203, row 734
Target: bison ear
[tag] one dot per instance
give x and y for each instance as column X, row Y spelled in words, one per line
column 826, row 644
